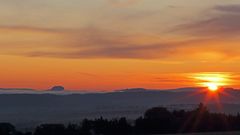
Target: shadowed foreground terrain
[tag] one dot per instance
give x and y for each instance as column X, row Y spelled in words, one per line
column 29, row 110
column 157, row 120
column 217, row 133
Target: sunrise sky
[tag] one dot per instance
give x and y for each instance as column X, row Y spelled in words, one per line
column 115, row 44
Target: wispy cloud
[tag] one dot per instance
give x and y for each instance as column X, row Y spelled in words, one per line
column 90, row 42
column 97, row 42
column 130, row 52
column 93, row 43
column 224, row 23
column 228, row 8
column 123, row 3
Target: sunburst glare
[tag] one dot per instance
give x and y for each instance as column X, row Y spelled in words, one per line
column 213, row 81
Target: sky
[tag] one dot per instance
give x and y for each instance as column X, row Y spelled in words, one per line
column 115, row 44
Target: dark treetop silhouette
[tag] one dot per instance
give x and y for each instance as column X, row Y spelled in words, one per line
column 156, row 120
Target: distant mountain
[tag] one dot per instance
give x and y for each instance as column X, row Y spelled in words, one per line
column 48, row 106
column 61, row 90
column 186, row 89
column 57, row 88
column 133, row 90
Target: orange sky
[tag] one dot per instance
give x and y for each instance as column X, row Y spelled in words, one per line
column 114, row 44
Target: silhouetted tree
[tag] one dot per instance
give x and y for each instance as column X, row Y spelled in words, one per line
column 156, row 120
column 7, row 129
column 50, row 129
column 72, row 129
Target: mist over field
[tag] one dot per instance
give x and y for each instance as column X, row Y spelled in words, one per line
column 27, row 108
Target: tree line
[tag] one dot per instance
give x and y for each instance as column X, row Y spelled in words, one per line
column 156, row 120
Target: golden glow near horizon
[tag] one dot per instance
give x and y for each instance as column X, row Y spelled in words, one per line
column 212, row 80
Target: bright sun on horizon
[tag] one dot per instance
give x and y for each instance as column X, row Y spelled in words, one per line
column 212, row 81
column 212, row 87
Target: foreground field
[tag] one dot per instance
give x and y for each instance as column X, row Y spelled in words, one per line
column 218, row 133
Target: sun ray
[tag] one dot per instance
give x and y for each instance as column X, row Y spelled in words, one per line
column 213, row 87
column 213, row 81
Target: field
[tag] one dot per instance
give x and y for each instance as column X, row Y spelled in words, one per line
column 217, row 133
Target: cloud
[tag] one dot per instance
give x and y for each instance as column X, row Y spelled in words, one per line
column 217, row 33
column 95, row 42
column 89, row 42
column 130, row 51
column 20, row 39
column 229, row 8
column 224, row 23
column 27, row 28
column 123, row 3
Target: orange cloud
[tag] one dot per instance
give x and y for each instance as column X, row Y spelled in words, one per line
column 94, row 42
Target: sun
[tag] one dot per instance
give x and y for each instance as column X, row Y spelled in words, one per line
column 212, row 81
column 212, row 87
